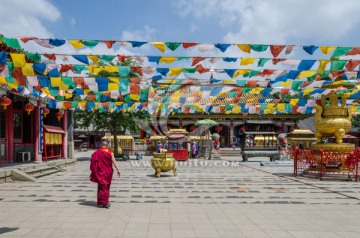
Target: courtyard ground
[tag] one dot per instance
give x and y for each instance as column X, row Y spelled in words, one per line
column 225, row 198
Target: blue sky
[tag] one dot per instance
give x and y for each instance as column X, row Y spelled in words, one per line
column 302, row 22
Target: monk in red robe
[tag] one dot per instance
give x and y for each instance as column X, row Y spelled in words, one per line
column 101, row 166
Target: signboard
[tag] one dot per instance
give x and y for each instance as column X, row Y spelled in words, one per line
column 41, row 132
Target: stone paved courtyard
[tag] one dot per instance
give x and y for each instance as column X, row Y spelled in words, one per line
column 206, row 199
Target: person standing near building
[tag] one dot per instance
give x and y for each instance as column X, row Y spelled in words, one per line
column 194, row 150
column 234, row 142
column 159, row 146
column 101, row 167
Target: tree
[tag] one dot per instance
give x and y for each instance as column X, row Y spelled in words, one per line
column 116, row 122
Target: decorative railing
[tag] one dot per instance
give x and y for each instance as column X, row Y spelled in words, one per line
column 326, row 163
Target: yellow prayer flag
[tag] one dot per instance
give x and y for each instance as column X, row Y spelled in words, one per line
column 113, row 86
column 175, row 71
column 244, row 47
column 266, row 111
column 256, row 90
column 77, row 44
column 113, row 80
column 68, row 95
column 82, row 104
column 281, row 107
column 246, row 61
column 13, row 85
column 111, row 69
column 306, row 74
column 159, row 45
column 87, row 91
column 229, row 81
column 94, row 69
column 18, row 59
column 327, row 49
column 167, row 60
column 286, row 84
column 55, row 82
column 240, row 72
column 236, row 109
column 2, row 80
column 293, row 102
column 135, row 97
column 118, row 103
column 63, row 86
column 94, row 58
column 308, row 90
column 45, row 90
column 28, row 69
column 322, row 66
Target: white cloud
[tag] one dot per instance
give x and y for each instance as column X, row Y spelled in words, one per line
column 139, row 35
column 24, row 18
column 279, row 21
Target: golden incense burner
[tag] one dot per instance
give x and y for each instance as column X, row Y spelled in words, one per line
column 333, row 118
column 163, row 162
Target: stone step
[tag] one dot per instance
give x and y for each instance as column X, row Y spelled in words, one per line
column 45, row 172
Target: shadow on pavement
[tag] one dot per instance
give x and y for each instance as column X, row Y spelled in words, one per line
column 7, row 229
column 88, row 203
column 83, row 159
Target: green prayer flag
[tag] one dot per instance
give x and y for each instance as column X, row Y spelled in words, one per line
column 124, row 71
column 74, row 104
column 340, row 51
column 36, row 58
column 240, row 83
column 12, row 43
column 246, row 90
column 10, row 79
column 189, row 70
column 90, row 43
column 10, row 66
column 295, row 85
column 78, row 68
column 337, row 65
column 69, row 81
column 262, row 62
column 124, row 85
column 259, row 48
column 106, row 58
column 54, row 91
column 60, row 98
column 172, row 45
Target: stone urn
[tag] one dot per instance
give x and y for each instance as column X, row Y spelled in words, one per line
column 163, row 162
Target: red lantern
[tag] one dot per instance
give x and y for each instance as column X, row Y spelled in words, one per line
column 218, row 129
column 29, row 108
column 59, row 115
column 46, row 111
column 5, row 101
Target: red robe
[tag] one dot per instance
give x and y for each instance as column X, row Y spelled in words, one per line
column 101, row 173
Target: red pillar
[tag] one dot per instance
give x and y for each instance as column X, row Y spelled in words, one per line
column 283, row 127
column 37, row 127
column 10, row 133
column 142, row 134
column 65, row 136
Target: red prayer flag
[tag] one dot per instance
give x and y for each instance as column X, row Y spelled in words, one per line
column 197, row 60
column 50, row 56
column 109, row 43
column 276, row 49
column 352, row 64
column 354, row 51
column 188, row 44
